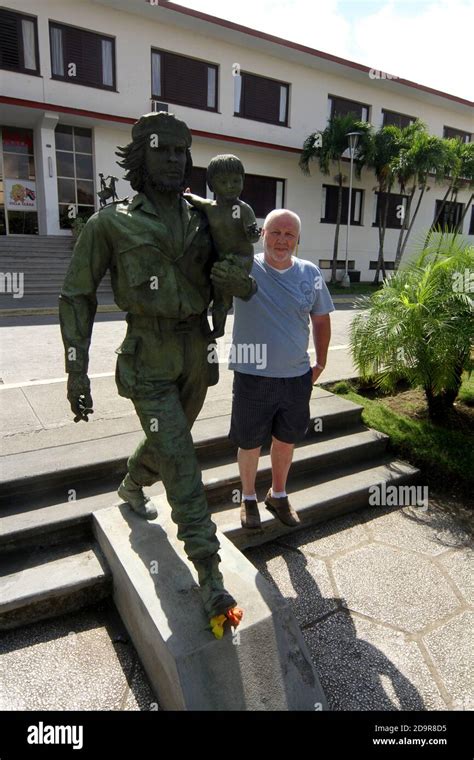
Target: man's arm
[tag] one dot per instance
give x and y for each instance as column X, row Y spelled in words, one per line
column 321, row 337
column 77, row 309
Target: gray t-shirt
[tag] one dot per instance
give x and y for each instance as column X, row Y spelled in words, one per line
column 271, row 330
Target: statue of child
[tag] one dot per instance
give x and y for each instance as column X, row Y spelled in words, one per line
column 233, row 225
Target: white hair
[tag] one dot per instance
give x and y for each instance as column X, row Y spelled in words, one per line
column 280, row 212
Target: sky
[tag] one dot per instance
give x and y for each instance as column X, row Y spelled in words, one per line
column 426, row 42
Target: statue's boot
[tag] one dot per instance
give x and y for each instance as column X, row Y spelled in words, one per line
column 216, row 600
column 133, row 494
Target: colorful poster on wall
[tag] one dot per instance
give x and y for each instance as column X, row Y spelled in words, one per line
column 20, row 194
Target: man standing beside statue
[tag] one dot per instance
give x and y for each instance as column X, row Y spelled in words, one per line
column 163, row 264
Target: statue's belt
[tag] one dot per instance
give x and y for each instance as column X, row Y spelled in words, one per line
column 166, row 324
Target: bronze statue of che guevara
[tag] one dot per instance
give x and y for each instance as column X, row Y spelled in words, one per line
column 164, row 266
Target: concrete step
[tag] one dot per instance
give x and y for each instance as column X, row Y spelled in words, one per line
column 35, row 520
column 318, row 498
column 264, row 666
column 51, row 581
column 314, row 455
column 58, row 259
column 35, row 471
column 34, row 241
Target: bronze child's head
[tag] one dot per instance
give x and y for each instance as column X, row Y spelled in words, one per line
column 225, row 176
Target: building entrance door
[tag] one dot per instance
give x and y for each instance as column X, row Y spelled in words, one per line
column 18, row 201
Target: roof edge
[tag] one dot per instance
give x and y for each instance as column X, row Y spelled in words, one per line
column 302, row 48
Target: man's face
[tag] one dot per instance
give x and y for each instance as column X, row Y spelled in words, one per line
column 227, row 185
column 166, row 163
column 280, row 238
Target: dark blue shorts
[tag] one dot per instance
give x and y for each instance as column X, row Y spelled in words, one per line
column 269, row 406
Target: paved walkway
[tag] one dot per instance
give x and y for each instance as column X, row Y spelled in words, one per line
column 385, row 598
column 81, row 661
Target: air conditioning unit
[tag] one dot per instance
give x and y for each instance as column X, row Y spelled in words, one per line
column 157, row 105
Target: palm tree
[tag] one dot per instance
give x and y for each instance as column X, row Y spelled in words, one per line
column 419, row 326
column 425, row 155
column 327, row 147
column 459, row 172
column 382, row 151
column 466, row 177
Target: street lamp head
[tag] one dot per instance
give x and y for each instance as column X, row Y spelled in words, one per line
column 353, row 138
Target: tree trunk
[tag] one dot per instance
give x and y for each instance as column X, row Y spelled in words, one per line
column 422, row 192
column 382, row 230
column 403, row 228
column 440, row 404
column 438, row 215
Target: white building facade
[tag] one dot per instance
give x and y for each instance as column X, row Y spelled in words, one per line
column 75, row 75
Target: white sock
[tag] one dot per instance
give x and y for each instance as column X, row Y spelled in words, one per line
column 278, row 494
column 249, row 497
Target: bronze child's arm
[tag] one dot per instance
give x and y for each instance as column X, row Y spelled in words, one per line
column 249, row 222
column 197, row 201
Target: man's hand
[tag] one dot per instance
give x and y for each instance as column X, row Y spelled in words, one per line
column 317, row 371
column 79, row 395
column 231, row 279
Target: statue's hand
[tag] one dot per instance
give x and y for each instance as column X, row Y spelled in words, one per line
column 196, row 200
column 231, row 279
column 79, row 395
column 253, row 232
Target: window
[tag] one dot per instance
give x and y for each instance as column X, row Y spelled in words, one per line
column 450, row 215
column 329, row 205
column 392, row 118
column 449, row 132
column 18, row 42
column 75, row 173
column 186, row 81
column 263, row 194
column 388, row 264
column 340, row 264
column 396, row 210
column 82, row 57
column 197, row 183
column 261, row 99
column 471, row 225
column 343, row 107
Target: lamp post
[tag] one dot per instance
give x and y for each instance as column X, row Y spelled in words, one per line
column 353, row 138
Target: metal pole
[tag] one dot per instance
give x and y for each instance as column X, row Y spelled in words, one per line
column 353, row 139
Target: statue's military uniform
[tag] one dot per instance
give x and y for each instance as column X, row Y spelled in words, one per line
column 161, row 278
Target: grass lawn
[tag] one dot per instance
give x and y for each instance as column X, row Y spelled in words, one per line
column 443, row 453
column 355, row 288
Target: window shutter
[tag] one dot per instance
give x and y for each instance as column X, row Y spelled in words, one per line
column 343, row 107
column 83, row 49
column 396, row 119
column 10, row 52
column 198, row 181
column 185, row 80
column 394, row 220
column 260, row 193
column 261, row 98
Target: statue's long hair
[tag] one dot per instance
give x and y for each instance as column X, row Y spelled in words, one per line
column 133, row 160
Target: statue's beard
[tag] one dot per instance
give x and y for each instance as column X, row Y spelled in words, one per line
column 165, row 186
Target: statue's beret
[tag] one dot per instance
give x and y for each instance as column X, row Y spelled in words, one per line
column 164, row 124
